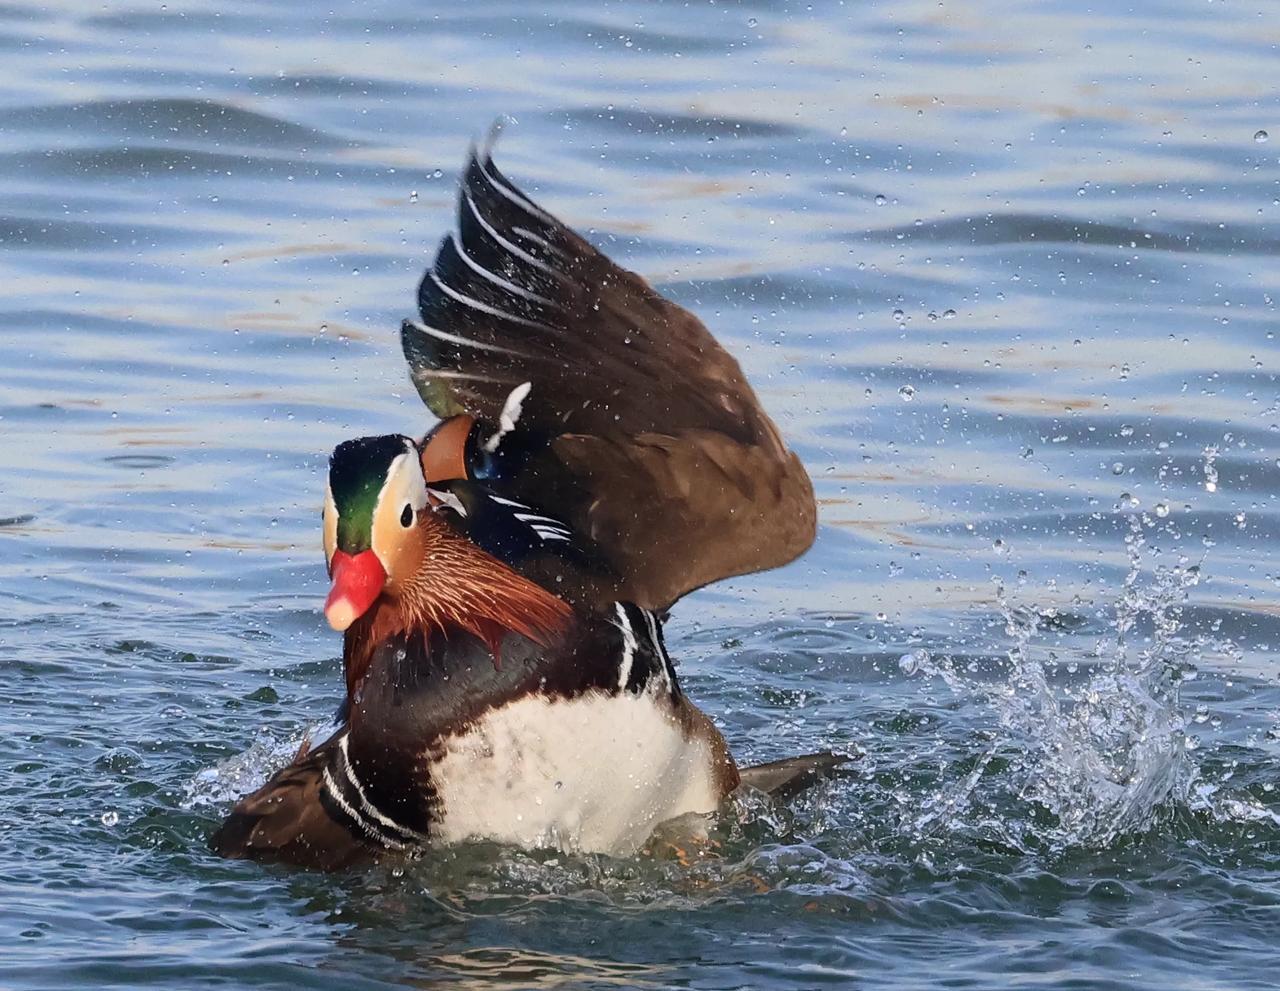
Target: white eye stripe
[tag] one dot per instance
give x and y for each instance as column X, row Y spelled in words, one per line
column 404, row 483
column 329, row 523
column 404, row 486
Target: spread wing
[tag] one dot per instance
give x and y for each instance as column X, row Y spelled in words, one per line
column 651, row 442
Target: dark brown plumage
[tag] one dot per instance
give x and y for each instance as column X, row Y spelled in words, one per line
column 653, row 444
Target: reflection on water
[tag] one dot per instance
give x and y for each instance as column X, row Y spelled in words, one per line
column 508, row 967
column 996, row 270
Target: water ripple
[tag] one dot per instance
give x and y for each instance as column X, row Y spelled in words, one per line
column 167, row 121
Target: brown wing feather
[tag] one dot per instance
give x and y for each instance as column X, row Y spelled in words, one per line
column 708, row 507
column 665, row 456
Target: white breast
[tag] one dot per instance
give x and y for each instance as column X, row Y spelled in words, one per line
column 595, row 774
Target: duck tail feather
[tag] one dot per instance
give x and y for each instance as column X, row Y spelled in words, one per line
column 786, row 778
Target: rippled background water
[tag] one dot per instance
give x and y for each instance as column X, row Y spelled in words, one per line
column 1006, row 274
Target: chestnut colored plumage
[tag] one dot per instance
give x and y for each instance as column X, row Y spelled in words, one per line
column 455, row 586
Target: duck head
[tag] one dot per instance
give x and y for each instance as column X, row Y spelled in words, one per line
column 395, row 558
column 373, row 505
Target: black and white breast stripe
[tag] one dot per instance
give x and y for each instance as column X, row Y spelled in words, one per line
column 643, row 659
column 345, row 791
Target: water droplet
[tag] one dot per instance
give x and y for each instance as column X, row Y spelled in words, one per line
column 1161, row 509
column 752, row 22
column 110, row 818
column 999, row 546
column 913, row 661
column 1126, row 430
column 881, row 200
column 1117, row 468
column 1210, row 469
column 899, row 316
column 413, row 196
column 1261, row 137
column 907, row 393
column 948, row 314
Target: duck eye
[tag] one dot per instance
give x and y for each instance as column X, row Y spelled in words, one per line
column 406, row 517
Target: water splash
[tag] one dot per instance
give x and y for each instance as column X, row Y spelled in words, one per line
column 1104, row 756
column 1082, row 754
column 231, row 779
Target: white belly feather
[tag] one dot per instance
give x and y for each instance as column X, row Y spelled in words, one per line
column 594, row 774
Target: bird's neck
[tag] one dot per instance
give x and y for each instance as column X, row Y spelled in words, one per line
column 456, row 586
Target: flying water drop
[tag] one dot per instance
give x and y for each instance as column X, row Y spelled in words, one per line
column 1210, row 471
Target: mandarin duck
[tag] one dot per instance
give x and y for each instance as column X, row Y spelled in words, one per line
column 502, row 583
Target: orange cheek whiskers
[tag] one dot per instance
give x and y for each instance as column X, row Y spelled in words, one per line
column 457, row 586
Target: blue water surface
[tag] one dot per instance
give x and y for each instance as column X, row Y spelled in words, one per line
column 1005, row 274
